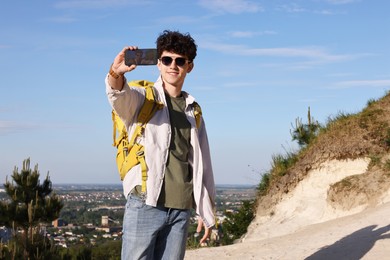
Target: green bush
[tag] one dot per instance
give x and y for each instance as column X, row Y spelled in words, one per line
column 236, row 223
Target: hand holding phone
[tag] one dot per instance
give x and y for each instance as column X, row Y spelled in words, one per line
column 141, row 57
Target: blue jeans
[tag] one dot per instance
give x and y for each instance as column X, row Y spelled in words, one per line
column 151, row 233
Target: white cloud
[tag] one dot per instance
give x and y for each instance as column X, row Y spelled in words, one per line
column 327, row 12
column 340, row 2
column 97, row 4
column 13, row 127
column 295, row 8
column 316, row 53
column 231, row 6
column 296, row 58
column 241, row 84
column 291, row 8
column 249, row 34
column 363, row 83
column 62, row 19
column 178, row 19
column 7, row 127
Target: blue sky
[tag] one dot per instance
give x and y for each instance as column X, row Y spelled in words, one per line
column 260, row 65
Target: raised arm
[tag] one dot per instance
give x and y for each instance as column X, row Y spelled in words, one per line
column 119, row 68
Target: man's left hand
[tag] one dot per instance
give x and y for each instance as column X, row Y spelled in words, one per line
column 207, row 231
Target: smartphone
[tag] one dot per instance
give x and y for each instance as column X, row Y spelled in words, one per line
column 141, row 57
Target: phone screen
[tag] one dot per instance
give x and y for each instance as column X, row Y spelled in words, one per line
column 141, row 57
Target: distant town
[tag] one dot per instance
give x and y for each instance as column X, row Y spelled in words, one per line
column 93, row 213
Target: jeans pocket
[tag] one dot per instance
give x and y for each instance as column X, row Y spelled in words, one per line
column 135, row 201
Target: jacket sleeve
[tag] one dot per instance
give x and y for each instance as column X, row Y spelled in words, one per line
column 208, row 176
column 125, row 102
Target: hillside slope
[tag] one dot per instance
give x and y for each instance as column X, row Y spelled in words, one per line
column 339, row 185
column 365, row 235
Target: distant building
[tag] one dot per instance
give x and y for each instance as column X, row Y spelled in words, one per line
column 106, row 221
column 109, row 229
column 59, row 223
column 107, row 225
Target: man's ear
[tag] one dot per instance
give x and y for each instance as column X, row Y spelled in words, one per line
column 190, row 67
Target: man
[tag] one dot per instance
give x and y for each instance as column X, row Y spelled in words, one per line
column 177, row 155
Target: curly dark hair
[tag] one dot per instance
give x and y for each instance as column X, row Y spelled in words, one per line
column 174, row 41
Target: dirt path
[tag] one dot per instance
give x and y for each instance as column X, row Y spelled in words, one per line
column 365, row 235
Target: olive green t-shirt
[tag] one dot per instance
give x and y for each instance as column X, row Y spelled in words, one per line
column 177, row 187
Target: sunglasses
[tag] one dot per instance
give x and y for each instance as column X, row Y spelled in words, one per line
column 166, row 60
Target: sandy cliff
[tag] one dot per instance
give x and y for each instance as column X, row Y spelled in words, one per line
column 304, row 226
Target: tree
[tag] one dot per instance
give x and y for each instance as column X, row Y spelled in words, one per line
column 108, row 250
column 30, row 205
column 305, row 133
column 236, row 224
